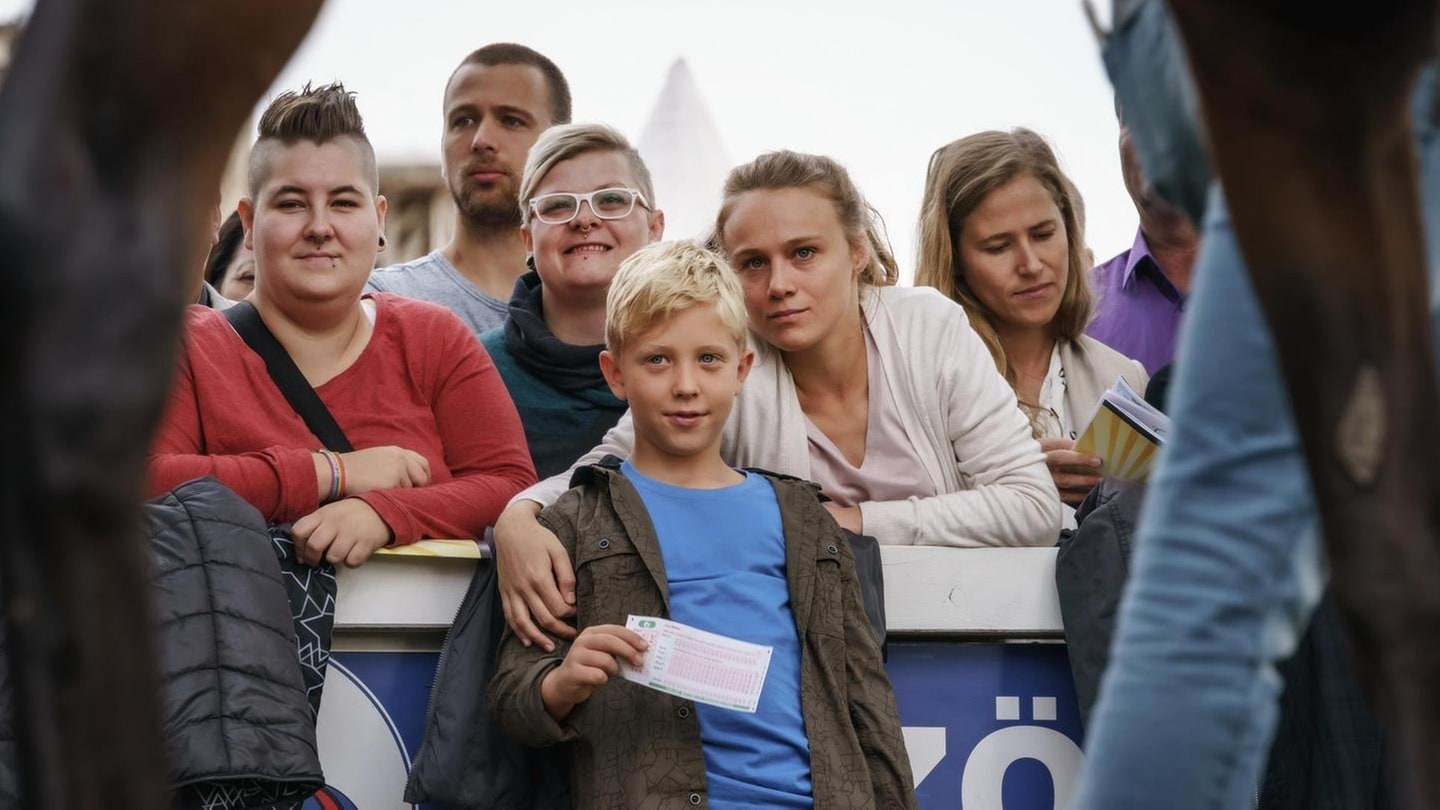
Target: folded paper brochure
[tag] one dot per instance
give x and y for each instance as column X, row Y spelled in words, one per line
column 1125, row 431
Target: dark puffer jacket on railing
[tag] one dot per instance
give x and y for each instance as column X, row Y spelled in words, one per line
column 238, row 729
column 235, row 715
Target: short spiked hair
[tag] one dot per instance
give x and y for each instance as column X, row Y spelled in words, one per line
column 315, row 114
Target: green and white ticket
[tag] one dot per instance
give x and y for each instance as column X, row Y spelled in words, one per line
column 697, row 665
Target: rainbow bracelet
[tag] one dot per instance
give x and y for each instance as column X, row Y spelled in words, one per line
column 336, row 475
column 340, row 485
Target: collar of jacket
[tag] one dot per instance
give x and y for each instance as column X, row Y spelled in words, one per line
column 610, row 464
column 803, row 523
column 629, row 508
column 560, row 365
column 1091, row 367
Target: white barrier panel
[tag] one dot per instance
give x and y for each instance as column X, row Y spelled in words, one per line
column 986, row 724
column 1004, row 592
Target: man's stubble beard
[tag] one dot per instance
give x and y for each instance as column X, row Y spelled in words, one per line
column 487, row 210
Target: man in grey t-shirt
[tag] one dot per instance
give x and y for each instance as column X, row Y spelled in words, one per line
column 497, row 103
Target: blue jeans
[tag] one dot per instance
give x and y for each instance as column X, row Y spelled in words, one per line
column 1157, row 101
column 1229, row 567
column 1226, row 573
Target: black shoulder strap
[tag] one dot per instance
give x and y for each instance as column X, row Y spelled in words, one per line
column 246, row 321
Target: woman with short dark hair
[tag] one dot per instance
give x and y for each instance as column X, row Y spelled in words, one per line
column 438, row 448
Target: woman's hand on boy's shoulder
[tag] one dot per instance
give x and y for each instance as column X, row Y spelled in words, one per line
column 537, row 581
column 593, row 659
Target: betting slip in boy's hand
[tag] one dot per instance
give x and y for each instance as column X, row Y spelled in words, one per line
column 697, row 665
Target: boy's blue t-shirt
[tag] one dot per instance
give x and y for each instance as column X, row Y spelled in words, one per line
column 724, row 552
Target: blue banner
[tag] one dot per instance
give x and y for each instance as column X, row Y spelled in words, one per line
column 987, row 726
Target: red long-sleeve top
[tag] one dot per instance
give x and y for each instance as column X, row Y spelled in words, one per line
column 423, row 383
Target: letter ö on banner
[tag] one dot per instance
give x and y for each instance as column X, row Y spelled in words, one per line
column 925, row 746
column 980, row 784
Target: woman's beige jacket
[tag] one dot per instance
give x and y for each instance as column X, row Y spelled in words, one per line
column 970, row 436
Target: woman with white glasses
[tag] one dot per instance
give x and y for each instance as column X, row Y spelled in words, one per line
column 587, row 204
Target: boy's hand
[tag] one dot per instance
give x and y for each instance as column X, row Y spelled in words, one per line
column 347, row 532
column 1075, row 473
column 590, row 662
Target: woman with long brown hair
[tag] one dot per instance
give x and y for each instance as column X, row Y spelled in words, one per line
column 1002, row 234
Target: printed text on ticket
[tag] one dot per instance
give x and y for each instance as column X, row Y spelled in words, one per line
column 699, row 666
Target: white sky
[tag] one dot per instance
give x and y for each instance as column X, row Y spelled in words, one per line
column 878, row 86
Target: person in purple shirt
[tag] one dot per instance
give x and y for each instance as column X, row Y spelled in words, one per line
column 1141, row 292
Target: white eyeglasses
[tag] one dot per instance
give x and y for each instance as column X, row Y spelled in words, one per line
column 607, row 203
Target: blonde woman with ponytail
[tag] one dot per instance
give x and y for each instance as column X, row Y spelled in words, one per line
column 882, row 395
column 1002, row 234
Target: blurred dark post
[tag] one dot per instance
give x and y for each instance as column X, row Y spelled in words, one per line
column 1307, row 109
column 115, row 121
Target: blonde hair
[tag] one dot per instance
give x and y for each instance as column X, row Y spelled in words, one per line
column 561, row 143
column 960, row 176
column 785, row 169
column 664, row 278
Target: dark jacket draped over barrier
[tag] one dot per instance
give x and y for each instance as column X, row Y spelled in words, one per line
column 235, row 713
column 239, row 728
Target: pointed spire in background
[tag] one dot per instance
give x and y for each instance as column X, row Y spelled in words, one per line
column 687, row 160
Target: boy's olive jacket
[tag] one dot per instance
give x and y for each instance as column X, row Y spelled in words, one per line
column 632, row 747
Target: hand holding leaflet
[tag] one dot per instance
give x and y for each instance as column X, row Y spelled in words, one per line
column 1125, row 431
column 699, row 666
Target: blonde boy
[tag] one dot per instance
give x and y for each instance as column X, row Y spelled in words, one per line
column 675, row 532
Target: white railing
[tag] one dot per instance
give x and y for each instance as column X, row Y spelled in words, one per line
column 986, row 592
